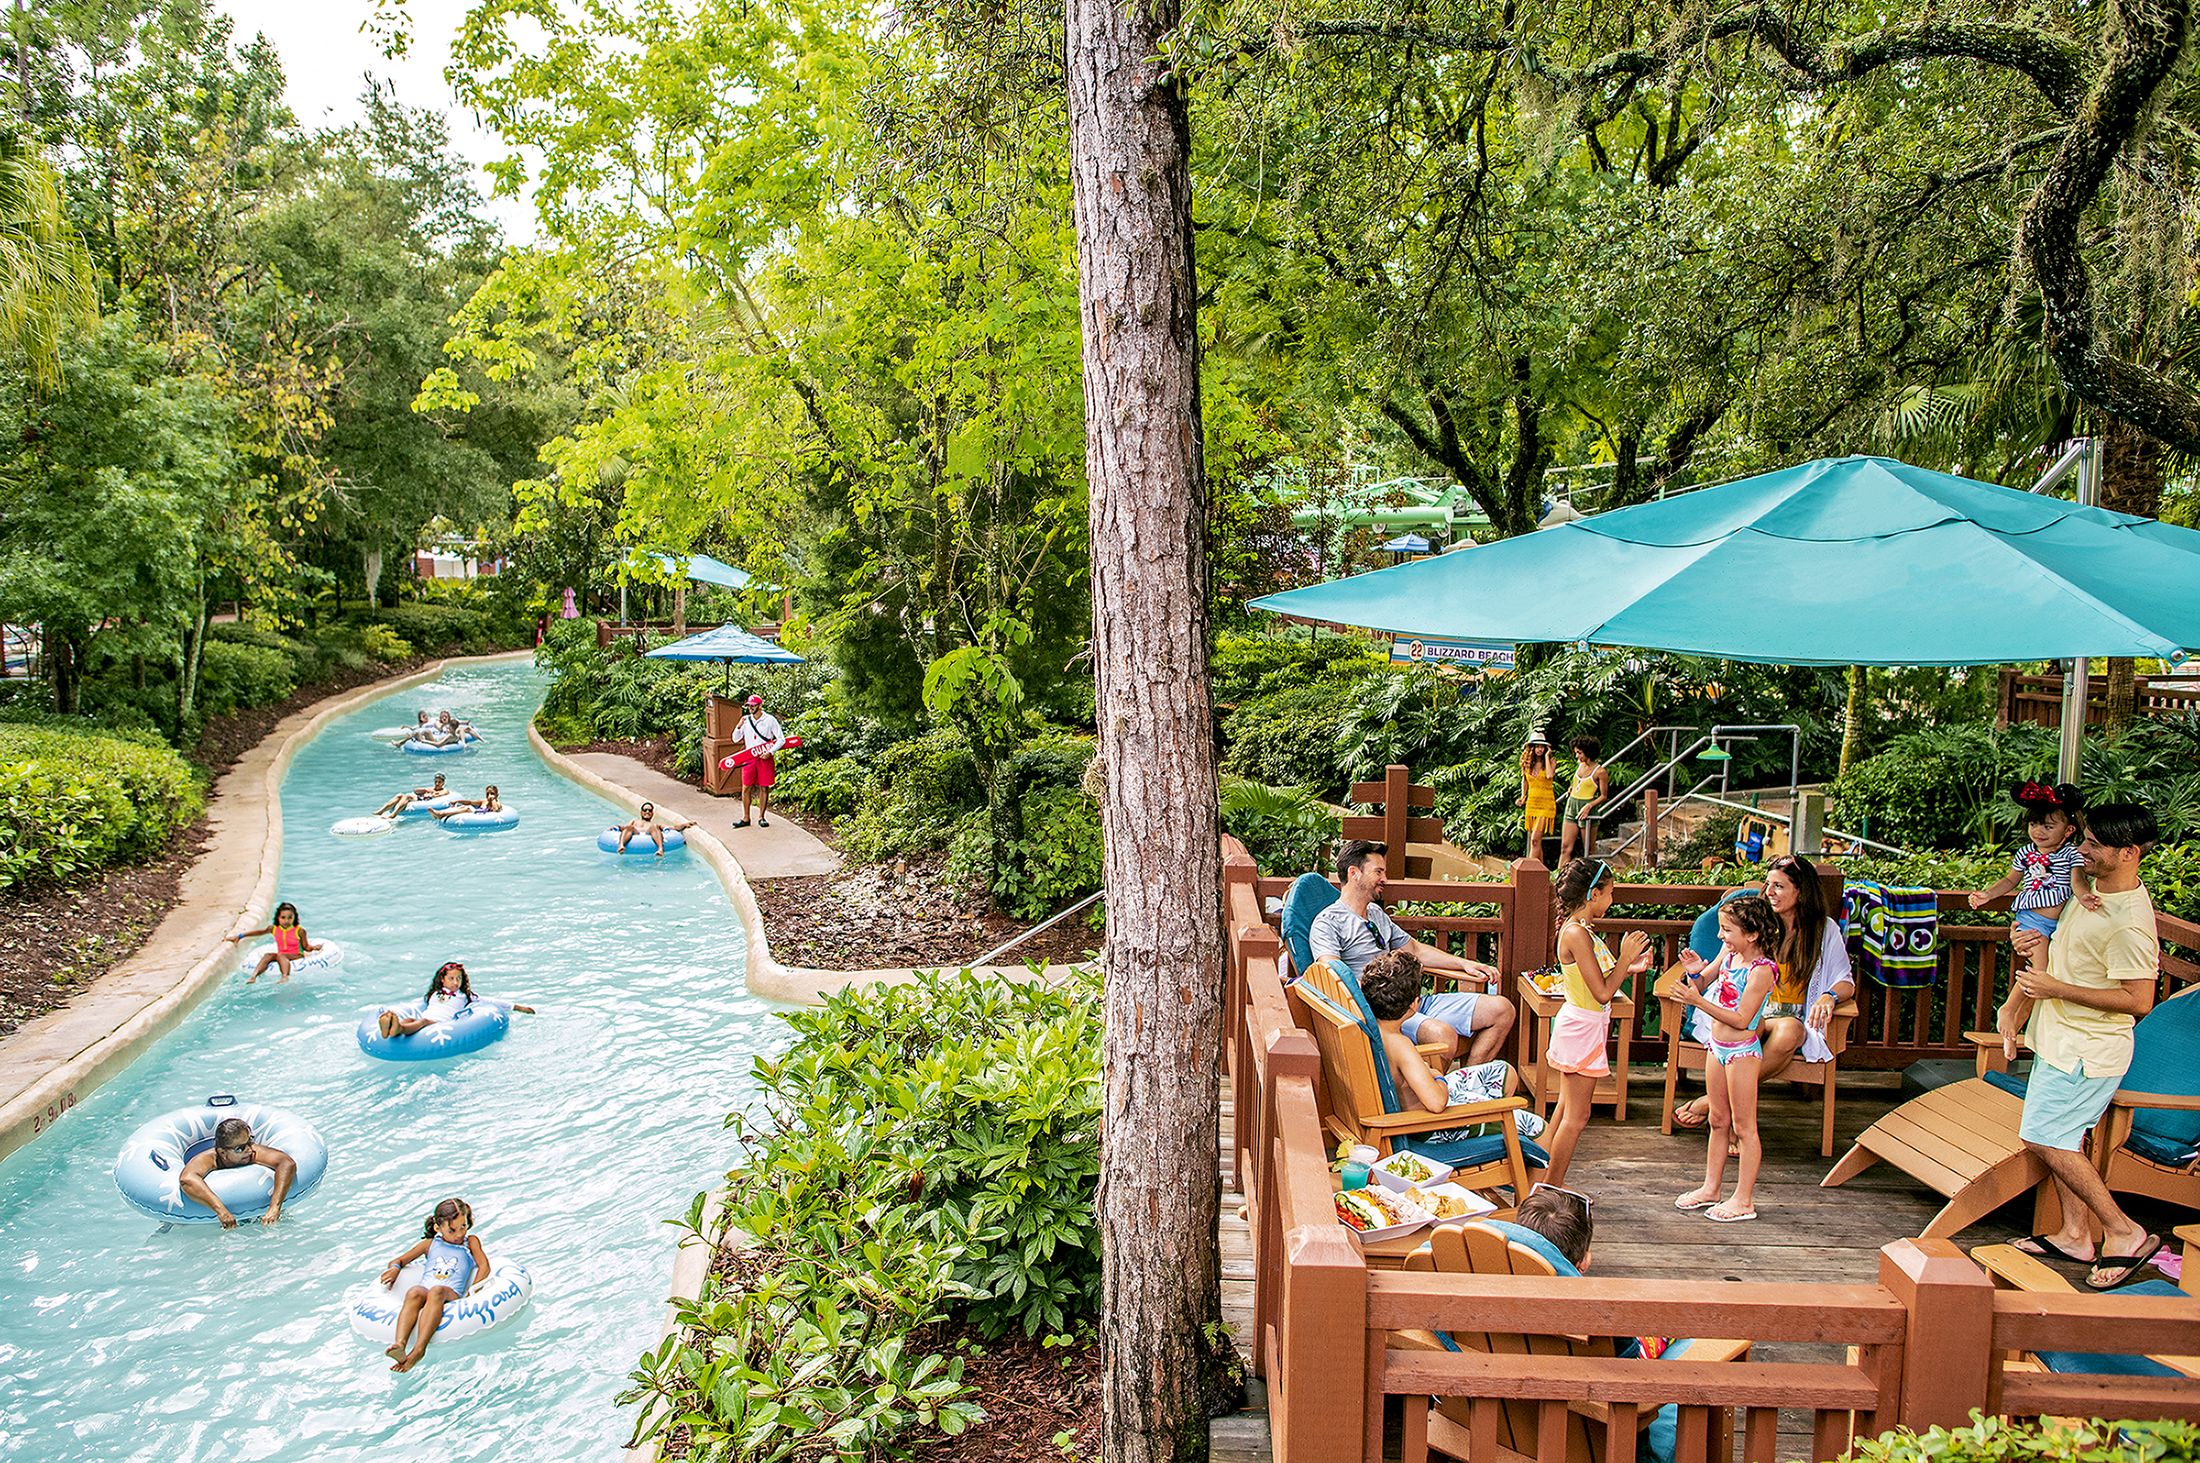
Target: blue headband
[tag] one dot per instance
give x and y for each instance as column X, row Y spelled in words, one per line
column 1595, row 879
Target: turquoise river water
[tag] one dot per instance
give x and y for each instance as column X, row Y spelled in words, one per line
column 574, row 1138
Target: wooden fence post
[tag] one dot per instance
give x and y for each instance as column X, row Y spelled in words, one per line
column 1318, row 1405
column 1396, row 781
column 1528, row 935
column 1650, row 827
column 1948, row 1352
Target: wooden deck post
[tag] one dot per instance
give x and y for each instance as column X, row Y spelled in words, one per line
column 1526, row 936
column 1948, row 1348
column 1396, row 781
column 1318, row 1409
column 1649, row 827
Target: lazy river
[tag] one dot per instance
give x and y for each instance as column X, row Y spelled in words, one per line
column 574, row 1138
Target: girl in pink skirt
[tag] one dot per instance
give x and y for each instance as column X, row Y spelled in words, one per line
column 1583, row 894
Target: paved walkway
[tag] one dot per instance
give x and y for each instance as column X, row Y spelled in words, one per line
column 781, row 851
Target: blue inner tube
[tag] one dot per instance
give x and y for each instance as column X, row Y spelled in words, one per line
column 421, row 808
column 432, row 749
column 469, row 1031
column 608, row 841
column 478, row 820
column 149, row 1171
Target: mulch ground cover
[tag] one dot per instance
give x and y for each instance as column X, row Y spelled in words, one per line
column 902, row 914
column 56, row 942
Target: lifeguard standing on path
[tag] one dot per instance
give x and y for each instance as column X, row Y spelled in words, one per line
column 761, row 737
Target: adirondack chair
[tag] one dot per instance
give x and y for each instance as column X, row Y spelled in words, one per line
column 1961, row 1140
column 1684, row 1055
column 1444, row 1424
column 1364, row 1106
column 1308, row 896
column 2013, row 1269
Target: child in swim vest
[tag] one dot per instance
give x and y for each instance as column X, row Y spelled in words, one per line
column 456, row 1265
column 290, row 941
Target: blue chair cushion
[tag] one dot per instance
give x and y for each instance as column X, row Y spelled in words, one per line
column 2102, row 1363
column 1471, row 1152
column 2008, row 1082
column 1308, row 896
column 2165, row 1058
column 1703, row 935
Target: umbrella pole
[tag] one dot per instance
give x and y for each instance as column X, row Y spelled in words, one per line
column 2076, row 687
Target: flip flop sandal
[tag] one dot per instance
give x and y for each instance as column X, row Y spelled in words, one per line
column 1681, row 1118
column 1689, row 1206
column 1742, row 1218
column 2123, row 1267
column 2043, row 1247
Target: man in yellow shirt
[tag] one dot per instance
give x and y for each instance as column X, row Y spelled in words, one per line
column 2097, row 978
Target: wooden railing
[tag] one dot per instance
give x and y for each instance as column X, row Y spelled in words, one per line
column 1924, row 1345
column 1893, row 1028
column 2038, row 699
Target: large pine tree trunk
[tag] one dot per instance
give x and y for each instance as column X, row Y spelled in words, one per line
column 1130, row 161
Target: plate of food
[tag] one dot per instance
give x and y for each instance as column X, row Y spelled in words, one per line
column 1547, row 982
column 1378, row 1214
column 1449, row 1201
column 1403, row 1170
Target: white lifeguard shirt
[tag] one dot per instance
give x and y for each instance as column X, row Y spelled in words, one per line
column 762, row 734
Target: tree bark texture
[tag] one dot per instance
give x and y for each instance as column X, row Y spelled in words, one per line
column 2134, row 466
column 1130, row 161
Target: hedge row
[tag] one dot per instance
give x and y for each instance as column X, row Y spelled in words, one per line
column 73, row 801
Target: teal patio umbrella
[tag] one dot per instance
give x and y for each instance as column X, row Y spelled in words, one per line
column 1848, row 561
column 730, row 644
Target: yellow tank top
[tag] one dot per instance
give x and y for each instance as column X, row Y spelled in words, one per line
column 1577, row 989
column 1584, row 787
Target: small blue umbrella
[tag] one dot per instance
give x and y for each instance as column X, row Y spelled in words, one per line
column 1407, row 543
column 730, row 644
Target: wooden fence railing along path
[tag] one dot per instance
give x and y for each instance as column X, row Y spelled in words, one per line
column 1923, row 1345
column 2038, row 699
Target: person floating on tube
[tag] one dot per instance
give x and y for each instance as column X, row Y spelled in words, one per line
column 761, row 738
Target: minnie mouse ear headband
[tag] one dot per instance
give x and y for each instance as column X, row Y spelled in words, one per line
column 2049, row 797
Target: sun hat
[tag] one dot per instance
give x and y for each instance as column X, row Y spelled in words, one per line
column 756, row 701
column 1537, row 739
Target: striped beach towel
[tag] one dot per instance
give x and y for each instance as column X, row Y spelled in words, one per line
column 1895, row 932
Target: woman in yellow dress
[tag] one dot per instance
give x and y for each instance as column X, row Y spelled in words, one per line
column 1538, row 792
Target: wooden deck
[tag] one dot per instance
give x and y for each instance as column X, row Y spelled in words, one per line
column 1633, row 1172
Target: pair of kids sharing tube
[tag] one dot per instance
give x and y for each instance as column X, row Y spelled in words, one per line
column 441, row 802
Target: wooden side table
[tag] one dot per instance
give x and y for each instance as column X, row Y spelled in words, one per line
column 1537, row 1011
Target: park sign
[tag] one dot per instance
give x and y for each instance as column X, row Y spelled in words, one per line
column 1440, row 650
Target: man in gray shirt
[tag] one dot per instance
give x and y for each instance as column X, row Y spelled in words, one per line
column 1355, row 930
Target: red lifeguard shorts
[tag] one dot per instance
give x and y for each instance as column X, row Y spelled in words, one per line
column 757, row 772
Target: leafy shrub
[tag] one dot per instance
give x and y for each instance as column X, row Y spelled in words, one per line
column 435, row 626
column 920, row 790
column 1251, row 665
column 73, row 801
column 1056, row 861
column 1998, row 1440
column 379, row 642
column 2172, row 874
column 1944, row 788
column 921, row 1153
column 1291, row 737
column 831, row 787
column 233, row 676
column 1285, row 829
column 307, row 662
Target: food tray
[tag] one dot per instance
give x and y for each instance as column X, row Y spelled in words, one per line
column 1419, row 1171
column 1410, row 1216
column 1428, row 1195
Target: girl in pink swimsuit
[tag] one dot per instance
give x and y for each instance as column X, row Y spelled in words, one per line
column 290, row 941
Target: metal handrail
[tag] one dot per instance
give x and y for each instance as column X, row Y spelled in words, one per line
column 1713, row 737
column 1787, row 821
column 1053, row 919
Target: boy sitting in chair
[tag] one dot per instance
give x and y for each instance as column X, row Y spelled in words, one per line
column 1393, row 982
